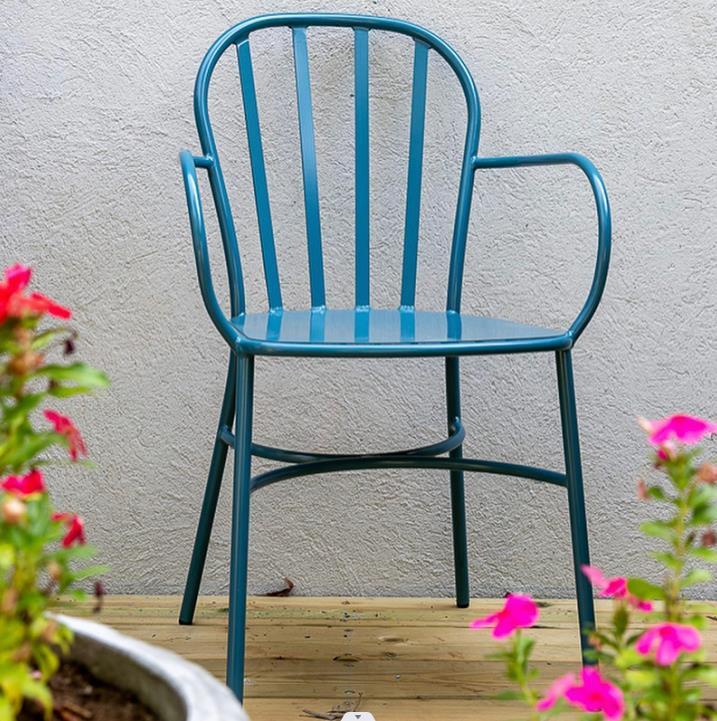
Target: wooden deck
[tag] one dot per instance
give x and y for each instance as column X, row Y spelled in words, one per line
column 402, row 659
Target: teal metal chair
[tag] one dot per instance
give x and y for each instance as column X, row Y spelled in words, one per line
column 363, row 331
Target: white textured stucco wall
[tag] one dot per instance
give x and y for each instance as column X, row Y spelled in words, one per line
column 95, row 104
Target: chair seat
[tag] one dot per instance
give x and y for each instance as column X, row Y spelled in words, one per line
column 384, row 332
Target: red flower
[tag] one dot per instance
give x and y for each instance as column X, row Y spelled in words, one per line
column 25, row 485
column 38, row 304
column 15, row 304
column 65, row 427
column 75, row 528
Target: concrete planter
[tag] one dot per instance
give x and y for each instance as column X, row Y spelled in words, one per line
column 173, row 688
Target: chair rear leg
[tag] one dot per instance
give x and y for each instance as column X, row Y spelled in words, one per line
column 576, row 497
column 240, row 526
column 458, row 503
column 209, row 505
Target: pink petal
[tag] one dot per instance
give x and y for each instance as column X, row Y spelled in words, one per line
column 556, row 691
column 688, row 637
column 640, row 604
column 522, row 610
column 616, row 588
column 485, row 621
column 505, row 626
column 683, row 428
column 667, row 652
column 595, row 576
column 644, row 643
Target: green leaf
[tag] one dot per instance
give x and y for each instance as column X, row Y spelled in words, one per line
column 696, row 576
column 6, row 712
column 78, row 373
column 627, row 658
column 657, row 493
column 704, row 515
column 58, row 391
column 667, row 559
column 620, row 619
column 37, row 691
column 658, row 529
column 43, row 339
column 644, row 589
column 508, row 695
column 705, row 674
column 708, row 555
column 89, row 572
column 642, row 678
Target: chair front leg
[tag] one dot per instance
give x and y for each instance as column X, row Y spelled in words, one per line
column 209, row 505
column 576, row 497
column 240, row 525
column 458, row 501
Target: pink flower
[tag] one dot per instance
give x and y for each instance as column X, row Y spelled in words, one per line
column 556, row 691
column 669, row 640
column 592, row 693
column 75, row 528
column 614, row 588
column 15, row 304
column 596, row 694
column 65, row 427
column 25, row 485
column 681, row 428
column 518, row 612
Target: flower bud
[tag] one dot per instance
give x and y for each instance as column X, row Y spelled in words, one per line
column 646, row 425
column 54, row 571
column 13, row 510
column 9, row 602
column 25, row 363
column 49, row 633
column 709, row 538
column 707, row 473
column 642, row 490
column 23, row 654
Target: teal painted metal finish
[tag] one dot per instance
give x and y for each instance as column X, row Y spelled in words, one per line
column 363, row 331
column 576, row 496
column 362, row 201
column 415, row 175
column 396, row 460
column 258, row 173
column 211, row 497
column 308, row 164
column 385, row 332
column 458, row 500
column 240, row 523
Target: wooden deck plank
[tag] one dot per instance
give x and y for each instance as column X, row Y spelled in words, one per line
column 405, row 658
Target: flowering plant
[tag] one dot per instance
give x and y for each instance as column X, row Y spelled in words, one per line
column 38, row 545
column 655, row 669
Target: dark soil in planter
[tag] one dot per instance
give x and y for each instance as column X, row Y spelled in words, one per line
column 79, row 696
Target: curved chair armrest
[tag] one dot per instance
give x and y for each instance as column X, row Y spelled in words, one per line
column 602, row 206
column 189, row 164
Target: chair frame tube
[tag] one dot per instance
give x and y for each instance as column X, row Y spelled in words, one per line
column 237, row 405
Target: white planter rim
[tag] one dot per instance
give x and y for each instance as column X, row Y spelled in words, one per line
column 174, row 688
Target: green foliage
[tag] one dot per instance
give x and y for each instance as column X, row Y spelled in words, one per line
column 653, row 686
column 42, row 553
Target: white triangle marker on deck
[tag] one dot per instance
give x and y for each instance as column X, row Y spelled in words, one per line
column 358, row 716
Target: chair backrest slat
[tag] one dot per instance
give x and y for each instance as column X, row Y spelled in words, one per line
column 362, row 261
column 308, row 164
column 415, row 173
column 258, row 173
column 425, row 43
